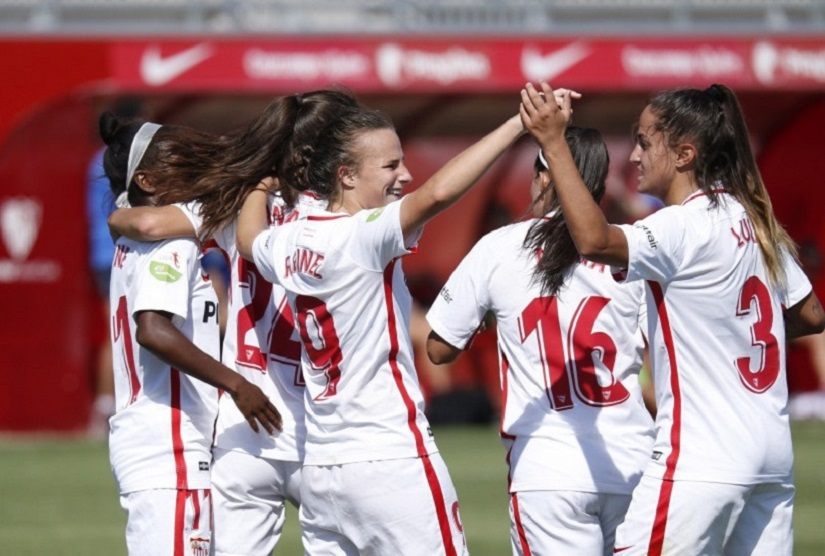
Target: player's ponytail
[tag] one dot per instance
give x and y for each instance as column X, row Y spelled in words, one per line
column 712, row 119
column 549, row 238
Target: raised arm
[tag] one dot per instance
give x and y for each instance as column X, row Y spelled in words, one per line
column 456, row 177
column 156, row 333
column 151, row 223
column 252, row 220
column 595, row 239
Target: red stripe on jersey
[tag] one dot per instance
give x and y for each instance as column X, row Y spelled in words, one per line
column 121, row 326
column 505, row 369
column 196, row 506
column 440, row 506
column 321, row 218
column 180, row 515
column 698, row 194
column 177, row 438
column 432, row 478
column 392, row 330
column 657, row 537
column 522, row 536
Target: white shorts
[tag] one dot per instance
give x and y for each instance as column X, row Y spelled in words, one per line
column 168, row 521
column 400, row 507
column 692, row 518
column 565, row 522
column 249, row 498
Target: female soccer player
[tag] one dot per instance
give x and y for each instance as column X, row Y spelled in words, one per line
column 374, row 482
column 253, row 474
column 165, row 342
column 724, row 293
column 577, row 433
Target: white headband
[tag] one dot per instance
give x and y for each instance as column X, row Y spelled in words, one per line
column 139, row 145
column 543, row 160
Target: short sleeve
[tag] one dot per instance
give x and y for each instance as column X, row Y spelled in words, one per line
column 464, row 300
column 656, row 247
column 192, row 211
column 164, row 278
column 262, row 254
column 798, row 284
column 378, row 237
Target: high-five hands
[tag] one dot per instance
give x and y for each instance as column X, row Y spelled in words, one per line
column 546, row 120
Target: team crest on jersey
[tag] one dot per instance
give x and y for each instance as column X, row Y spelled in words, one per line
column 375, row 214
column 199, row 546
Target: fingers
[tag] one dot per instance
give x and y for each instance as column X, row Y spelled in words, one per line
column 273, row 416
column 252, row 423
column 269, row 418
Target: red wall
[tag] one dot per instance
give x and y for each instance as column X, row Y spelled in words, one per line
column 45, row 351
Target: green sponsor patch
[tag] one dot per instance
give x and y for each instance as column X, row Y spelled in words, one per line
column 375, row 214
column 163, row 272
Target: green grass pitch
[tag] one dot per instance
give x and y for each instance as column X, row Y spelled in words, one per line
column 57, row 496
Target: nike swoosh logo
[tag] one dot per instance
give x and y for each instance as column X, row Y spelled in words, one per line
column 617, row 549
column 535, row 66
column 155, row 69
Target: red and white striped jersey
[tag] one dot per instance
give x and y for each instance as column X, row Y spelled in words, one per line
column 161, row 434
column 572, row 414
column 261, row 343
column 346, row 287
column 717, row 343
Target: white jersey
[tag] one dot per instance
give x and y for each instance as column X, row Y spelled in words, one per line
column 572, row 411
column 717, row 343
column 162, row 431
column 346, row 286
column 262, row 344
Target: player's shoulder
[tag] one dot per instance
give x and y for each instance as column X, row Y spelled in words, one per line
column 509, row 235
column 380, row 215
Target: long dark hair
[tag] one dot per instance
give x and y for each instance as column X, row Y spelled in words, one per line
column 176, row 156
column 186, row 165
column 713, row 121
column 326, row 143
column 548, row 237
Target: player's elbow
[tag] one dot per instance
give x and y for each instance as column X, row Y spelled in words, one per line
column 244, row 245
column 439, row 351
column 151, row 330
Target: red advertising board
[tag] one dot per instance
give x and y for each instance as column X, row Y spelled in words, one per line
column 45, row 143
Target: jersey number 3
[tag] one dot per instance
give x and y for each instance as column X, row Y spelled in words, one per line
column 756, row 297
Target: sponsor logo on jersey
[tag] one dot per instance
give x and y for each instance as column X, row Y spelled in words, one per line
column 375, row 214
column 656, row 456
column 164, row 272
column 203, row 466
column 650, row 239
column 20, row 219
column 445, row 295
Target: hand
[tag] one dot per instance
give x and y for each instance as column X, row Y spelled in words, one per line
column 257, row 408
column 546, row 120
column 269, row 184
